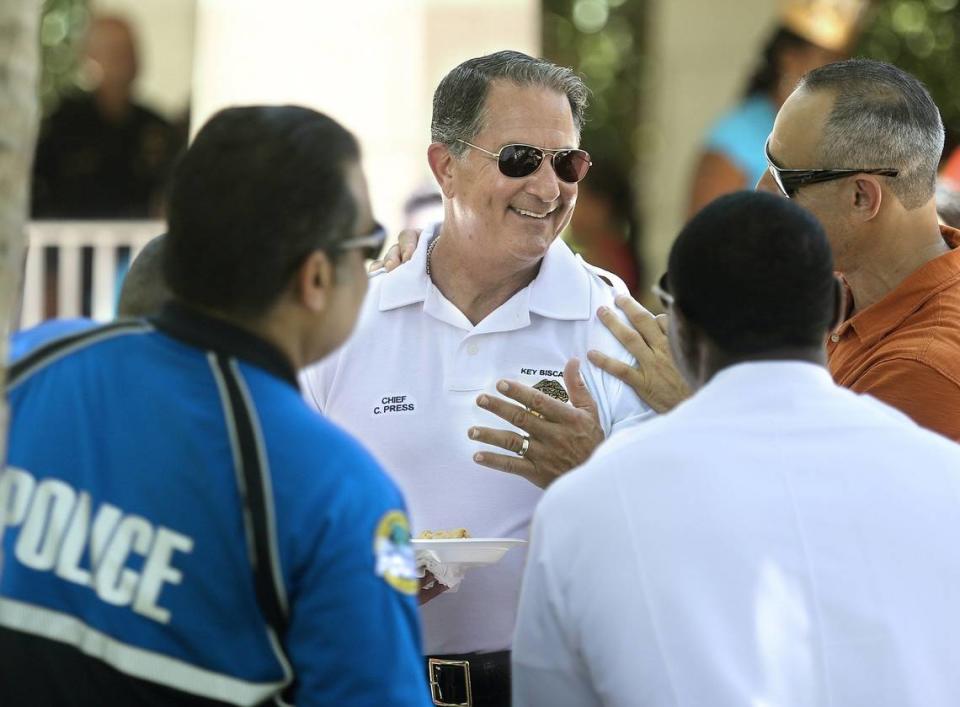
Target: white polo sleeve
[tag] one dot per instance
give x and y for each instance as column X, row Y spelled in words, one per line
column 547, row 670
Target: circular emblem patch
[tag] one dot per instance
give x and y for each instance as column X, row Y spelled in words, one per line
column 394, row 553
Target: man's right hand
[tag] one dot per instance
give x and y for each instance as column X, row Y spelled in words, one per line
column 400, row 252
column 655, row 378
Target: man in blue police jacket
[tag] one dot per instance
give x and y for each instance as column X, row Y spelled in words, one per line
column 178, row 528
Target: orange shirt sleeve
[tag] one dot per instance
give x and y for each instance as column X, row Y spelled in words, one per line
column 920, row 391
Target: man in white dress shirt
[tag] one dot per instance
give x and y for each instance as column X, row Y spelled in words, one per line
column 491, row 303
column 784, row 542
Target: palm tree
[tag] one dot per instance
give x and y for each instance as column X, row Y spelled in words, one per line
column 19, row 69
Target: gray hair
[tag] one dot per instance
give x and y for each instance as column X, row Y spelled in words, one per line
column 882, row 117
column 948, row 204
column 458, row 102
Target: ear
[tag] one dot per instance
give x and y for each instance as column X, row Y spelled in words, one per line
column 315, row 280
column 442, row 163
column 839, row 303
column 867, row 197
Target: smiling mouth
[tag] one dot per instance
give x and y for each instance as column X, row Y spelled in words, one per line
column 532, row 214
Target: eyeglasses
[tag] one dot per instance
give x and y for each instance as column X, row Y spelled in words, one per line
column 661, row 289
column 370, row 245
column 517, row 160
column 789, row 180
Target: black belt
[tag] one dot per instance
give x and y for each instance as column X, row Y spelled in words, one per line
column 470, row 680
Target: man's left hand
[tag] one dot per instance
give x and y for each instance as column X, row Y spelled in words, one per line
column 560, row 436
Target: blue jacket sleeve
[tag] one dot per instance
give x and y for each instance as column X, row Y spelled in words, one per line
column 354, row 634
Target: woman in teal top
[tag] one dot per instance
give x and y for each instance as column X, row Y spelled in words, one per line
column 732, row 157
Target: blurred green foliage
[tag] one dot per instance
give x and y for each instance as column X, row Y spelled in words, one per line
column 604, row 41
column 61, row 31
column 922, row 37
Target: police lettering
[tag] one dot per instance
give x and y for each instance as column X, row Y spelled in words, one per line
column 58, row 526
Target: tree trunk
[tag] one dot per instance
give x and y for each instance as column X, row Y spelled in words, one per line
column 19, row 68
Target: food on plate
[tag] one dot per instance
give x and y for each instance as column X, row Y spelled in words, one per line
column 443, row 534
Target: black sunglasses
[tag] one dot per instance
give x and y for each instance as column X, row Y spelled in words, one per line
column 517, row 160
column 661, row 289
column 370, row 245
column 789, row 180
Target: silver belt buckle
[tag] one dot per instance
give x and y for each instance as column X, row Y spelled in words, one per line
column 434, row 663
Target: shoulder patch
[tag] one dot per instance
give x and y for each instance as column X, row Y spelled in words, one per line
column 554, row 389
column 394, row 553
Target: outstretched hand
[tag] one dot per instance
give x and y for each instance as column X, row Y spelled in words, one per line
column 655, row 378
column 560, row 436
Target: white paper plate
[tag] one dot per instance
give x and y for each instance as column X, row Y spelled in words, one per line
column 472, row 552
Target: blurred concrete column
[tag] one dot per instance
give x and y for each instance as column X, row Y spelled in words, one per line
column 371, row 64
column 701, row 55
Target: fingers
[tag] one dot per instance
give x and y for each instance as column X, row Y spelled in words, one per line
column 643, row 321
column 435, row 590
column 623, row 332
column 633, row 309
column 664, row 321
column 514, row 414
column 615, row 367
column 391, row 259
column 400, row 252
column 407, row 241
column 511, row 464
column 511, row 441
column 576, row 388
column 532, row 399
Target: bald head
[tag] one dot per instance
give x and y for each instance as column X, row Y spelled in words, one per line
column 144, row 290
column 111, row 47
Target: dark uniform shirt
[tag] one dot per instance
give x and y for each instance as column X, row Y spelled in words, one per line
column 87, row 167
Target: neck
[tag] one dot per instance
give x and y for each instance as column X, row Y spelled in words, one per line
column 471, row 279
column 274, row 327
column 113, row 102
column 889, row 256
column 714, row 362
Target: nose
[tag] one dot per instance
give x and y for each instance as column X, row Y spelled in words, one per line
column 544, row 183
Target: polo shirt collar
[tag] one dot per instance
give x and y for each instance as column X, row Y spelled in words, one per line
column 203, row 331
column 877, row 320
column 561, row 289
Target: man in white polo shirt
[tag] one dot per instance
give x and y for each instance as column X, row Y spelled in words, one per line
column 491, row 295
column 775, row 539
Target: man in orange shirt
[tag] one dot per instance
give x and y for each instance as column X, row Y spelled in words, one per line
column 857, row 143
column 880, row 134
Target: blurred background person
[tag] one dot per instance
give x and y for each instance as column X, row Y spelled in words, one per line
column 424, row 208
column 100, row 155
column 808, row 36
